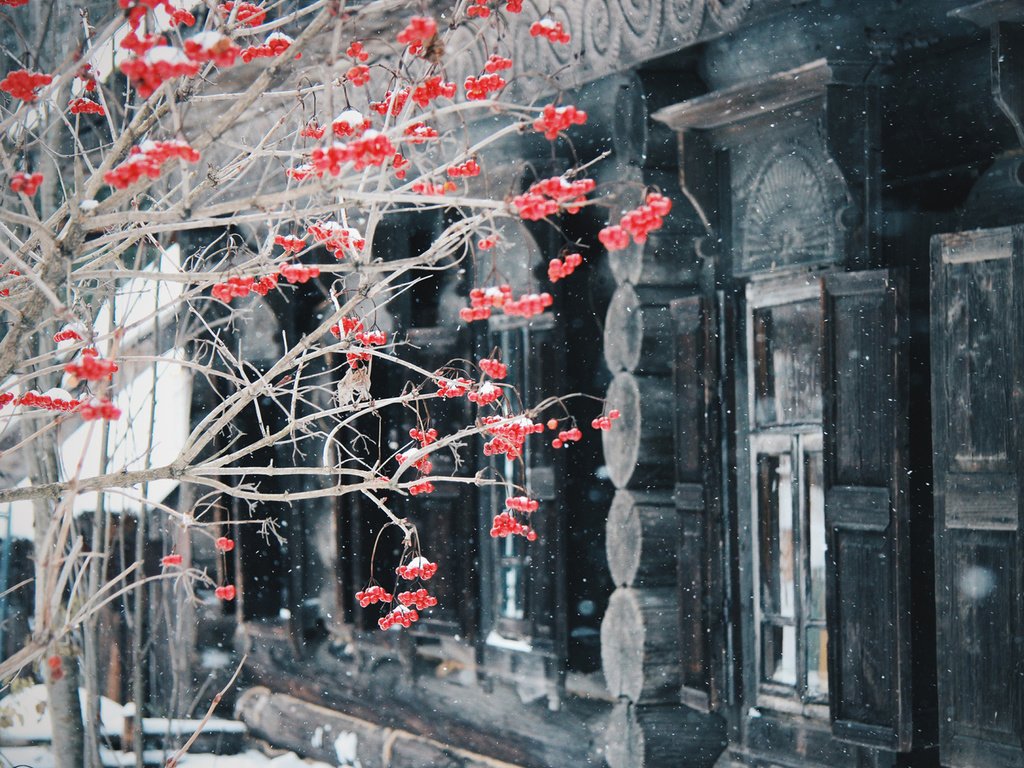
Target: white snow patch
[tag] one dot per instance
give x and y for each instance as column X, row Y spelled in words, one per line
column 498, row 641
column 345, row 748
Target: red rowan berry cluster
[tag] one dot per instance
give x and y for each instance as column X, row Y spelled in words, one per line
column 478, row 8
column 300, row 172
column 372, row 339
column 356, row 51
column 336, row 238
column 485, row 394
column 514, row 6
column 421, row 486
column 85, row 107
column 358, row 75
column 372, row 148
column 506, row 525
column 550, row 29
column 469, row 168
column 420, row 133
column 67, row 333
column 424, row 438
column 91, row 367
column 10, row 273
column 348, row 325
column 6, row 398
column 486, row 243
column 373, row 594
column 240, row 287
column 26, row 182
column 567, row 436
column 23, row 84
column 289, row 243
column 522, row 504
column 435, row 87
column 559, row 268
column 548, row 196
column 276, row 44
column 401, row 615
column 212, row 46
column 159, row 64
column 418, row 598
column 605, row 422
column 529, row 304
column 147, row 159
column 417, row 33
column 482, row 300
column 168, row 560
column 224, row 544
column 54, row 399
column 225, row 593
column 88, row 81
column 494, row 368
column 393, row 102
column 456, row 387
column 13, row 3
column 56, row 668
column 400, row 164
column 312, row 130
column 554, row 120
column 422, row 464
column 509, row 435
column 639, row 223
column 249, row 14
column 99, row 408
column 497, row 63
column 298, row 273
column 479, row 88
column 430, row 188
column 350, row 123
column 417, row 568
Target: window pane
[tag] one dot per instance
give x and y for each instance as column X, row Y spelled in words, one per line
column 814, row 501
column 817, row 662
column 775, row 512
column 779, row 654
column 787, row 364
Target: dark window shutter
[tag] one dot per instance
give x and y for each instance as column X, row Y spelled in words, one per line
column 868, row 571
column 977, row 390
column 698, row 503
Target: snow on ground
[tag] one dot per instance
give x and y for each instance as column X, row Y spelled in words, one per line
column 41, row 757
column 30, row 725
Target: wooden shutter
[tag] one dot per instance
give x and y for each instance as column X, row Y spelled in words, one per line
column 867, row 569
column 698, row 502
column 977, row 350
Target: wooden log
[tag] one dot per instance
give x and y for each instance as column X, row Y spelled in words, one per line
column 640, row 644
column 642, row 539
column 325, row 734
column 495, row 723
column 637, row 333
column 662, row 736
column 638, row 448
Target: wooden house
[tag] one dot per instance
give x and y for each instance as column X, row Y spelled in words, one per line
column 801, row 545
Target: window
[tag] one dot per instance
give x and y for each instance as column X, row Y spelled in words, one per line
column 787, row 493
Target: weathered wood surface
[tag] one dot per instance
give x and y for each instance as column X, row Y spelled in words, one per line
column 638, row 332
column 495, row 723
column 662, row 736
column 324, row 734
column 638, row 447
column 640, row 644
column 642, row 539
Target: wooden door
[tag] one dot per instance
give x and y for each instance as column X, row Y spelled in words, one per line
column 977, row 350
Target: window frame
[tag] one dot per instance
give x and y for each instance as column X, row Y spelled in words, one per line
column 798, row 439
